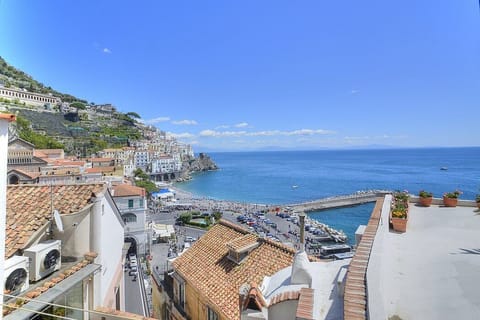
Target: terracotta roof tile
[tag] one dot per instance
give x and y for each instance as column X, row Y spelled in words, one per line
column 206, row 267
column 125, row 190
column 100, row 169
column 29, row 207
column 243, row 242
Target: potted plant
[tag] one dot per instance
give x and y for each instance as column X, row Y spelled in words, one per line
column 450, row 199
column 426, row 198
column 401, row 197
column 399, row 217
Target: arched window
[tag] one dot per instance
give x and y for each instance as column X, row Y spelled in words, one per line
column 13, row 179
column 129, row 218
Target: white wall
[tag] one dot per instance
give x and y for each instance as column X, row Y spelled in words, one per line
column 376, row 306
column 285, row 310
column 107, row 240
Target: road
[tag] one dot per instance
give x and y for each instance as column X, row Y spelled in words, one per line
column 133, row 295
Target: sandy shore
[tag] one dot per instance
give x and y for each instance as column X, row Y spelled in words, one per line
column 244, row 208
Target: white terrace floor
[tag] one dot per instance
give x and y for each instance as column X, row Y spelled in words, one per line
column 430, row 272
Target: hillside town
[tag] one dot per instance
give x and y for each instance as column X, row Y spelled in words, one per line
column 85, row 239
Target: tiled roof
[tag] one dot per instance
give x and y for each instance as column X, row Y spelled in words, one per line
column 121, row 314
column 99, row 169
column 101, row 159
column 206, row 267
column 29, row 207
column 125, row 190
column 49, row 151
column 67, row 162
column 31, row 175
column 243, row 242
column 305, row 304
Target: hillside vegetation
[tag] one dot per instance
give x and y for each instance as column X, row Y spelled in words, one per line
column 79, row 133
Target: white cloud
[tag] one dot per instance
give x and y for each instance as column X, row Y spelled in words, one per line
column 308, row 132
column 354, row 91
column 157, row 120
column 106, row 50
column 241, row 125
column 184, row 135
column 268, row 133
column 213, row 133
column 223, row 126
column 185, row 122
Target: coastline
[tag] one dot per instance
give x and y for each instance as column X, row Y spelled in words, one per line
column 233, row 209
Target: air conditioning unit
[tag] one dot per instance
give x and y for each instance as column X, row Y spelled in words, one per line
column 44, row 258
column 16, row 275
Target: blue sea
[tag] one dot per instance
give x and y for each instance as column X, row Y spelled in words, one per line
column 296, row 176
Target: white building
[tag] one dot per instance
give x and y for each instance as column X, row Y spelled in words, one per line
column 31, row 98
column 131, row 201
column 141, row 159
column 89, row 226
column 166, row 164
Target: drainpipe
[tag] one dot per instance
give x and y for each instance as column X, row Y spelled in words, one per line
column 301, row 217
column 5, row 118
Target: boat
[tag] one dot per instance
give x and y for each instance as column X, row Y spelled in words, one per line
column 444, row 168
column 294, row 186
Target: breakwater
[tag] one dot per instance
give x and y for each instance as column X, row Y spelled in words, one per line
column 356, row 198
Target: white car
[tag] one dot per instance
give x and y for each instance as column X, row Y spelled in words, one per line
column 190, row 239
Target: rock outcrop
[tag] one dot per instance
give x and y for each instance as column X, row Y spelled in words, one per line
column 201, row 163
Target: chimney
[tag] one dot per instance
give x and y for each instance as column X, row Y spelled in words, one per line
column 301, row 217
column 242, row 296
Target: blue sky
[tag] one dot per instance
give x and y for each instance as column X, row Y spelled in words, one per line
column 244, row 75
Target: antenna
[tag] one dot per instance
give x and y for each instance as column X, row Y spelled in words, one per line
column 58, row 220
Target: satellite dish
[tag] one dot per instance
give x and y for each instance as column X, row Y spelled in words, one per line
column 58, row 220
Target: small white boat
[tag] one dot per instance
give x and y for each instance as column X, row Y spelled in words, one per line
column 294, row 186
column 444, row 168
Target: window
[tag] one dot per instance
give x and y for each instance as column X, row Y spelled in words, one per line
column 129, row 217
column 211, row 315
column 141, row 203
column 179, row 292
column 130, row 203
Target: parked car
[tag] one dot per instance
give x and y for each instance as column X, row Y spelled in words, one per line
column 133, row 271
column 190, row 239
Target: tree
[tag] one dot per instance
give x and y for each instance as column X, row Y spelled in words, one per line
column 217, row 215
column 140, row 174
column 185, row 217
column 133, row 114
column 148, row 185
column 78, row 105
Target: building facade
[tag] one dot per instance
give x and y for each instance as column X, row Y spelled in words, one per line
column 131, row 201
column 31, row 98
column 89, row 231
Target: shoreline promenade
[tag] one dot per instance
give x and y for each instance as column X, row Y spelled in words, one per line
column 204, row 203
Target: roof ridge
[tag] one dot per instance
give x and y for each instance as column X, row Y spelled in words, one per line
column 279, row 245
column 233, row 226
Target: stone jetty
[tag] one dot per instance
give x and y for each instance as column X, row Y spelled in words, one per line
column 358, row 197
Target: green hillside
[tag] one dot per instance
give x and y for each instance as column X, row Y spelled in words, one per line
column 12, row 77
column 80, row 133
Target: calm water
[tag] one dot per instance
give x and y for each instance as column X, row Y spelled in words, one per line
column 268, row 177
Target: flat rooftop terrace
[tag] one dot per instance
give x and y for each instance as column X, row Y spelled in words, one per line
column 432, row 271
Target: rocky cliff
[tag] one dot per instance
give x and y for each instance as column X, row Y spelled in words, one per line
column 201, row 163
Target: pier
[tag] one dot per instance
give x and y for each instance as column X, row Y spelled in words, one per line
column 356, row 198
